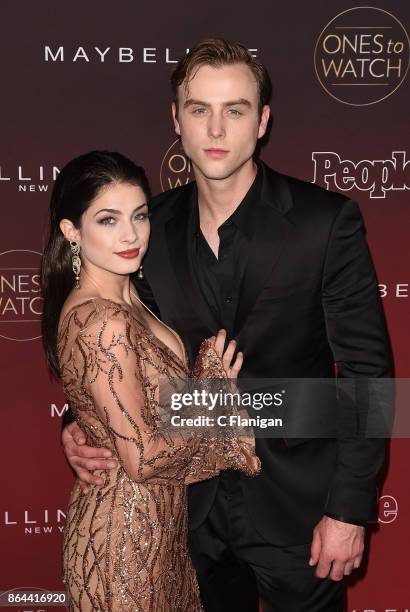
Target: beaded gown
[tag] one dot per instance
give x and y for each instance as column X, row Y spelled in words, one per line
column 125, row 542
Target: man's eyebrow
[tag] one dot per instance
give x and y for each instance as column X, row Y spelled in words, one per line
column 237, row 102
column 191, row 101
column 118, row 212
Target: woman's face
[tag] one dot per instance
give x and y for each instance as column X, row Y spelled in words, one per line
column 115, row 229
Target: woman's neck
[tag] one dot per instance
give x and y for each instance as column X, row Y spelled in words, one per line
column 107, row 285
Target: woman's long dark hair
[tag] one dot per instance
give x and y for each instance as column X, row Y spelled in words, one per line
column 78, row 183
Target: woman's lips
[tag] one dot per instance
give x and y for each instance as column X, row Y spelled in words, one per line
column 130, row 254
column 216, row 153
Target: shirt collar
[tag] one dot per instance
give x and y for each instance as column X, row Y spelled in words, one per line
column 242, row 215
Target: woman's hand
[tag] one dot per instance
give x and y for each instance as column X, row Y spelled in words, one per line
column 232, row 369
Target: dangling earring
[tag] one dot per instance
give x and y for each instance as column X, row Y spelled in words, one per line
column 76, row 262
column 140, row 273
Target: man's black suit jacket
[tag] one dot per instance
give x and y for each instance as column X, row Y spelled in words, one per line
column 309, row 300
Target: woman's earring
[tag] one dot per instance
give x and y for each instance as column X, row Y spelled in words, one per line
column 76, row 262
column 140, row 273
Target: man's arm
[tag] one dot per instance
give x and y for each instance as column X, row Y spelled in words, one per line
column 359, row 340
column 84, row 459
column 68, row 417
column 358, row 337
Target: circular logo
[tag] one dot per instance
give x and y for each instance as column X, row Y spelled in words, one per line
column 20, row 298
column 175, row 168
column 362, row 56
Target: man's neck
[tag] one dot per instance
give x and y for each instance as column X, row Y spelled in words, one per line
column 218, row 199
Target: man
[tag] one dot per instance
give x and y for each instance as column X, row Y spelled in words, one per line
column 284, row 267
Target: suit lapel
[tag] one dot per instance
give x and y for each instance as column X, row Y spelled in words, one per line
column 179, row 238
column 270, row 230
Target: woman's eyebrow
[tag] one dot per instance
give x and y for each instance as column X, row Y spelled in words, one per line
column 119, row 212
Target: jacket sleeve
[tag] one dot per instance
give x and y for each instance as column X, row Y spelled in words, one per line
column 68, row 417
column 358, row 337
column 145, row 293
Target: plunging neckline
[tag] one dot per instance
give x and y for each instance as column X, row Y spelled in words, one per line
column 147, row 329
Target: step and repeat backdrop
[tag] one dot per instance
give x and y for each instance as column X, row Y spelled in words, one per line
column 80, row 76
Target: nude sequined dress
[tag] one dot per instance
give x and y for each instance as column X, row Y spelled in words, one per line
column 125, row 542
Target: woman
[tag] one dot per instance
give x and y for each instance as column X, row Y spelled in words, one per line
column 125, row 543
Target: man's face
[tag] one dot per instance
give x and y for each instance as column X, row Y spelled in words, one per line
column 218, row 119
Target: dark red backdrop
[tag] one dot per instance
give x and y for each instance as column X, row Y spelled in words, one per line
column 59, row 99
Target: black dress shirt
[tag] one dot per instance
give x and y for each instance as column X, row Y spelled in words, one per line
column 220, row 278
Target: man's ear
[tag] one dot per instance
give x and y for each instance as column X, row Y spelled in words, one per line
column 263, row 124
column 70, row 232
column 175, row 119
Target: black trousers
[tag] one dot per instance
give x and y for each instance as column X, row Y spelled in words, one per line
column 237, row 569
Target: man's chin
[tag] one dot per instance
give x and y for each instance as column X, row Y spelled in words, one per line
column 215, row 173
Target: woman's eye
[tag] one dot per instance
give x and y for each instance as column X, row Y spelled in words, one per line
column 107, row 221
column 141, row 216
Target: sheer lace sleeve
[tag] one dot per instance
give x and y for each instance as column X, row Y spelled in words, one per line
column 237, row 450
column 115, row 372
column 111, row 366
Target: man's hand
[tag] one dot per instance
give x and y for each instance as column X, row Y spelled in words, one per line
column 337, row 548
column 82, row 458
